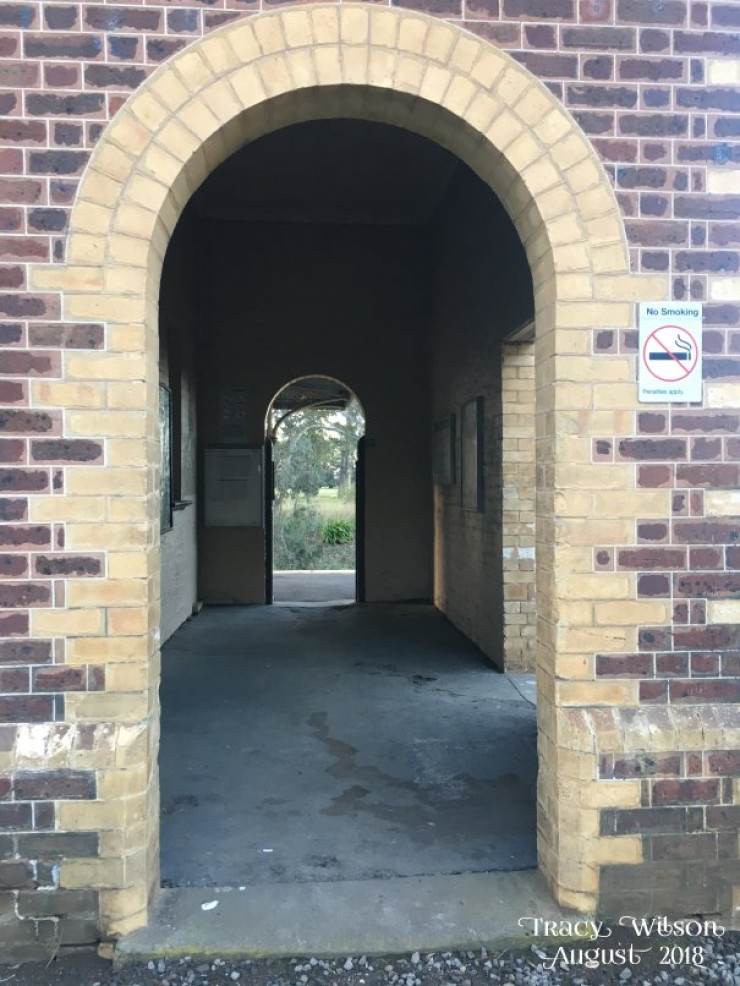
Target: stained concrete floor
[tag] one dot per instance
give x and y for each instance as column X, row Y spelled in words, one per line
column 340, row 743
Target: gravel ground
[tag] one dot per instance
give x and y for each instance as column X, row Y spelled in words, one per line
column 695, row 960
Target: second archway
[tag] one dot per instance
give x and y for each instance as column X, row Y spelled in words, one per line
column 314, row 530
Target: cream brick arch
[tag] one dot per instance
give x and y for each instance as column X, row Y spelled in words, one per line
column 245, row 80
column 275, row 69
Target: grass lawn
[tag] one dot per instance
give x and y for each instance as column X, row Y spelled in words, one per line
column 329, row 505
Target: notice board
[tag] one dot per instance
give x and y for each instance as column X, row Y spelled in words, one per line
column 234, row 486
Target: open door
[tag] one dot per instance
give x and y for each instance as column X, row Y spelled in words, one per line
column 360, row 521
column 269, row 473
column 313, row 533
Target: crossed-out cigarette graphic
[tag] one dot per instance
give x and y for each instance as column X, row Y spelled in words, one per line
column 682, row 345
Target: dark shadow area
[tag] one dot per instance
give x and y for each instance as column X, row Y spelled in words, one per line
column 337, row 744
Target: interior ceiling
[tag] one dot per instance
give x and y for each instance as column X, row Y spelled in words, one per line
column 331, row 171
column 315, row 392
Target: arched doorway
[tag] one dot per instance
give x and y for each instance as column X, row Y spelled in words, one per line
column 315, row 497
column 356, row 246
column 429, row 77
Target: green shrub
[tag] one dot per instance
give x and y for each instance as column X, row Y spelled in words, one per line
column 337, row 556
column 339, row 531
column 298, row 541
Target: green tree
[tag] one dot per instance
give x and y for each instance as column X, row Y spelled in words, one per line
column 317, row 448
column 347, row 430
column 313, row 448
column 302, row 457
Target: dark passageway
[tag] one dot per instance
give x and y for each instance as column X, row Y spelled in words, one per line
column 340, row 743
column 343, row 743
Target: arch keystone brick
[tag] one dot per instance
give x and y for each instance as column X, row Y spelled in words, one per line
column 412, row 36
column 298, row 29
column 384, row 29
column 354, row 24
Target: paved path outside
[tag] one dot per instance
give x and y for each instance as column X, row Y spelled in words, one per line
column 314, row 587
column 336, row 744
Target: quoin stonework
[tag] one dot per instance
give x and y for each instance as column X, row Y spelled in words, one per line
column 608, row 131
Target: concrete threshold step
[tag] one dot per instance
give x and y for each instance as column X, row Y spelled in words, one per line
column 353, row 917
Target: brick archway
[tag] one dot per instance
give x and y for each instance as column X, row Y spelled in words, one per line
column 245, row 80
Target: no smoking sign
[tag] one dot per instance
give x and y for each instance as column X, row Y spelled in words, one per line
column 670, row 353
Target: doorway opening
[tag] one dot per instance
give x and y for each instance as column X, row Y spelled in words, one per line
column 314, row 500
column 341, row 742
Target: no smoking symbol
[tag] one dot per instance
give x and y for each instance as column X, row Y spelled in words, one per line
column 670, row 353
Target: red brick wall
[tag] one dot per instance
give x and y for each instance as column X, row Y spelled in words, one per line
column 632, row 72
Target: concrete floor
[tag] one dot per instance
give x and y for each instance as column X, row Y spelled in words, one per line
column 314, row 587
column 348, row 743
column 362, row 917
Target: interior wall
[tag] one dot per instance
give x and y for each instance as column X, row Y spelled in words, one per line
column 282, row 301
column 178, row 331
column 481, row 291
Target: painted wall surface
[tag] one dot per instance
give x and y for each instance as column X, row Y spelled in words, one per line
column 178, row 314
column 179, row 571
column 482, row 290
column 284, row 301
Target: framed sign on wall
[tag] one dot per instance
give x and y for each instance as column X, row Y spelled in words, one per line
column 471, row 455
column 232, row 416
column 234, row 485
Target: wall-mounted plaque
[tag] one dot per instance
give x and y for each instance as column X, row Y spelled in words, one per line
column 471, row 454
column 232, row 417
column 234, row 487
column 443, row 451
